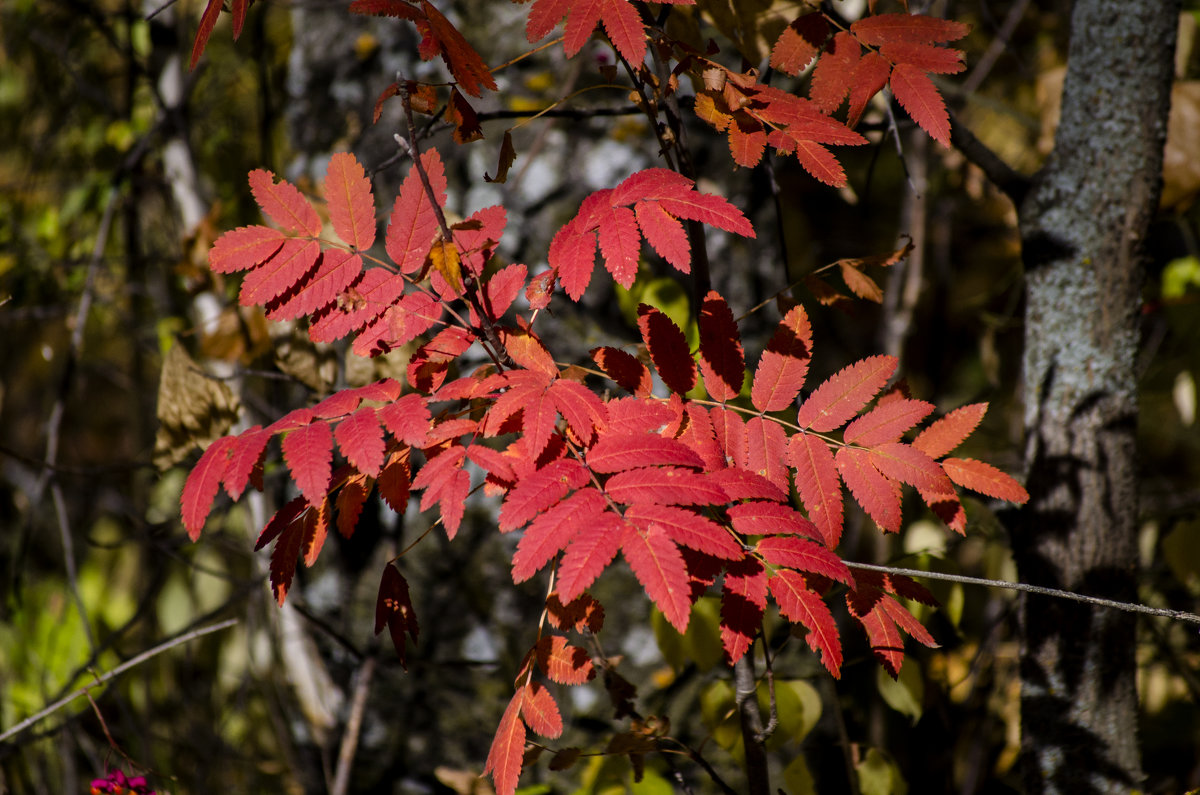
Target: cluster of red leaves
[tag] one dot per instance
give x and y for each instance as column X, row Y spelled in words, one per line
column 692, row 493
column 895, row 50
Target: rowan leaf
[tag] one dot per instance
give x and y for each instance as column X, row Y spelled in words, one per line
column 766, row 450
column 668, row 349
column 831, row 77
column 660, row 569
column 620, row 240
column 800, row 553
column 282, row 519
column 539, row 491
column 906, row 464
column 938, row 60
column 687, row 529
column 985, row 479
column 407, row 419
column 395, row 480
column 202, row 485
column 394, row 609
column 583, row 411
column 245, row 457
column 800, row 604
column 919, row 97
column 871, row 74
column 244, row 248
column 721, row 359
column 799, row 43
column 551, row 531
column 665, row 234
column 860, row 283
column 845, row 393
column 948, row 432
column 503, row 288
column 316, row 528
column 336, row 270
column 878, row 495
column 761, row 518
column 590, row 552
column 541, row 712
column 351, row 201
column 915, row 28
column 360, row 438
column 308, row 452
column 562, row 662
column 208, row 21
column 739, row 484
column 286, row 553
column 663, row 486
column 282, row 272
column 730, row 432
column 508, row 746
column 743, row 600
column 818, row 484
column 460, row 57
column 784, row 363
column 413, row 224
column 350, row 501
column 886, row 422
column 629, row 374
column 284, row 204
column 617, row 452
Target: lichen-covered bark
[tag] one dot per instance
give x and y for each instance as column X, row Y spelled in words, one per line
column 1082, row 226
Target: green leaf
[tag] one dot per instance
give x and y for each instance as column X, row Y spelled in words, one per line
column 701, row 644
column 878, row 775
column 905, row 693
column 798, row 705
column 797, row 779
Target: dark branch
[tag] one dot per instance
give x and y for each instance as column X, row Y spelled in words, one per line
column 1010, row 182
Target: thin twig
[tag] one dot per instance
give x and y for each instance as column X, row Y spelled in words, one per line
column 115, row 672
column 1129, row 607
column 358, row 708
column 1008, row 180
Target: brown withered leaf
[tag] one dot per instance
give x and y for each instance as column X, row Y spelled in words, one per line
column 193, row 409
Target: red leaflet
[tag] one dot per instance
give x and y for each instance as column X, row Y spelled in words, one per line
column 202, row 484
column 801, row 605
column 296, row 418
column 394, row 481
column 350, row 501
column 336, row 270
column 663, row 486
column 818, row 484
column 308, row 452
column 316, row 527
column 743, row 599
column 721, row 358
column 833, row 73
column 408, row 420
column 887, row 422
column 285, row 554
column 630, row 415
column 591, row 550
column 245, row 459
column 284, row 204
column 553, row 530
column 766, row 450
column 620, row 18
column 539, row 491
column 413, row 224
column 665, row 234
column 617, row 452
column 949, row 509
column 985, row 479
column 541, row 712
column 508, row 746
column 573, row 250
column 582, row 612
column 758, row 518
column 393, row 608
column 562, row 662
column 282, row 272
column 939, row 60
column 687, row 529
column 916, row 28
column 845, row 393
column 207, row 22
column 527, row 350
column 879, row 496
column 668, row 349
column 461, row 58
column 947, row 433
column 243, row 248
column 882, row 633
column 630, row 374
column 799, row 43
column 660, row 569
column 360, row 438
column 538, row 417
column 802, row 554
column 904, row 463
column 351, row 201
column 697, row 434
column 503, row 288
column 584, row 412
column 453, row 502
column 918, row 95
column 436, row 475
column 784, row 363
column 738, row 484
column 730, row 433
column 870, row 76
column 280, row 521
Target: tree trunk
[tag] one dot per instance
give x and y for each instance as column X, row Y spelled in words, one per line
column 1082, row 226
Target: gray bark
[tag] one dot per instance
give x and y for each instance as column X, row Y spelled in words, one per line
column 1082, row 225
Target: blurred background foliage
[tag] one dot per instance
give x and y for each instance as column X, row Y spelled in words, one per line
column 119, row 168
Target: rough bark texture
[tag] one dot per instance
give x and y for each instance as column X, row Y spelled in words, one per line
column 1082, row 228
